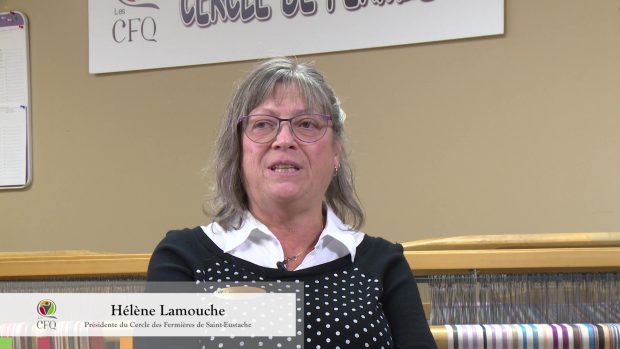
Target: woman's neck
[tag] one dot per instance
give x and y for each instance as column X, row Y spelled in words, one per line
column 297, row 232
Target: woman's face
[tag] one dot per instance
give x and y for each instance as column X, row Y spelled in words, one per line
column 287, row 170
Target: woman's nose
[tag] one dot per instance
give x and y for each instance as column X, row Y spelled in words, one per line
column 285, row 136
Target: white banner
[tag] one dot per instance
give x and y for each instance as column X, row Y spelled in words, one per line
column 149, row 314
column 144, row 34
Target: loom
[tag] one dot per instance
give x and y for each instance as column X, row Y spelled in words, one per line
column 485, row 291
column 549, row 290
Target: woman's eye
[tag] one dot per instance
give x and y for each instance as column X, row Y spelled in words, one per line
column 263, row 124
column 307, row 124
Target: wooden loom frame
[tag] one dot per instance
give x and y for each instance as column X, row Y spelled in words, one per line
column 530, row 253
column 558, row 252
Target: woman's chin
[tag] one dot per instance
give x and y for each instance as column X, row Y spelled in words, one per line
column 286, row 194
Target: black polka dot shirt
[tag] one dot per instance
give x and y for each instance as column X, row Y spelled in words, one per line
column 370, row 303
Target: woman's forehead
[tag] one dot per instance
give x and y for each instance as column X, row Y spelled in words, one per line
column 291, row 91
column 288, row 91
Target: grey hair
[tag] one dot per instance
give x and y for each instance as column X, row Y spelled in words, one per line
column 230, row 199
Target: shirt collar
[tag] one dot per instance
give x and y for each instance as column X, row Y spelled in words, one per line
column 335, row 231
column 234, row 238
column 339, row 232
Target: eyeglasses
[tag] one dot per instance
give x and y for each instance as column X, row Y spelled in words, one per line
column 307, row 127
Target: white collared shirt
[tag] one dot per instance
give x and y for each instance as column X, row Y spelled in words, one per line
column 255, row 243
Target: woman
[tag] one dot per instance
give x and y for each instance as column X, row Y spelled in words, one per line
column 284, row 197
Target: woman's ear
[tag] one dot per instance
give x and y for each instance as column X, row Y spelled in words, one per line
column 337, row 152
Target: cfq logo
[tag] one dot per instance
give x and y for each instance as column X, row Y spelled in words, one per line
column 128, row 30
column 46, row 308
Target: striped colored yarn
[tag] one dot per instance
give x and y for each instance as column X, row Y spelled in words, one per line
column 534, row 336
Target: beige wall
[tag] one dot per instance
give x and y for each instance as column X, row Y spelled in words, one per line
column 511, row 134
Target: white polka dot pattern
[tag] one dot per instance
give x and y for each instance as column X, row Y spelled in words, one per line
column 340, row 310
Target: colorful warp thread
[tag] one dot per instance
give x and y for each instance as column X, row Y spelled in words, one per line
column 534, row 336
column 6, row 343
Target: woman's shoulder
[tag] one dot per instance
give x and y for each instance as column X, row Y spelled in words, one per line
column 184, row 236
column 193, row 241
column 176, row 256
column 383, row 259
column 379, row 245
column 376, row 253
column 193, row 237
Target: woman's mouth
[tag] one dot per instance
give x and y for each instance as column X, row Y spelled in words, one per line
column 284, row 168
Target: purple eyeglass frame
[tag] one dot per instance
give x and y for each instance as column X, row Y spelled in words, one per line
column 328, row 118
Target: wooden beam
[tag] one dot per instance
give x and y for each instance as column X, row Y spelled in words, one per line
column 29, row 265
column 514, row 260
column 516, row 241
